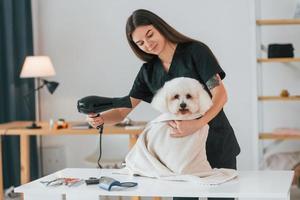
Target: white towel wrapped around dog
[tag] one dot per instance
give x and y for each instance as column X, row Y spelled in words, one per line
column 158, row 155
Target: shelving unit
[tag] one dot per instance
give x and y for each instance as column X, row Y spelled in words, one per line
column 272, row 136
column 278, row 21
column 282, row 60
column 268, row 136
column 279, row 98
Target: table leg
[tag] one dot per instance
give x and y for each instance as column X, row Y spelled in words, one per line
column 25, row 159
column 139, row 198
column 135, row 198
column 132, row 140
column 1, row 172
column 156, row 198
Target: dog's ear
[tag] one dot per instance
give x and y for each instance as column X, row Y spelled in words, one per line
column 159, row 101
column 205, row 101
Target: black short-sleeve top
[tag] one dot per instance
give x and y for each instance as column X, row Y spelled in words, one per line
column 193, row 60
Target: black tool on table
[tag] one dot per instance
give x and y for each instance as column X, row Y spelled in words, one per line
column 92, row 181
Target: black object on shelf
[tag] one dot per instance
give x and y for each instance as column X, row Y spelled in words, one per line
column 280, row 51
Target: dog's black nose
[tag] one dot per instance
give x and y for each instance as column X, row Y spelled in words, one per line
column 183, row 105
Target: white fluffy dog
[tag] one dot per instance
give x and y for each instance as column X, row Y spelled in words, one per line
column 182, row 96
column 157, row 154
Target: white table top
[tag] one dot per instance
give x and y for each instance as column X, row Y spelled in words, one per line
column 249, row 184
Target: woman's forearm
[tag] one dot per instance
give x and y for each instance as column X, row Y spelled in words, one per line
column 219, row 98
column 115, row 115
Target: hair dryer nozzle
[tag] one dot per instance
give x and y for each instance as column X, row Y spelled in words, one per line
column 94, row 104
column 97, row 104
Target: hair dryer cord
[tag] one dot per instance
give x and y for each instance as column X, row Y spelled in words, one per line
column 100, row 128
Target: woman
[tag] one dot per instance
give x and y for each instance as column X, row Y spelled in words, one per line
column 169, row 54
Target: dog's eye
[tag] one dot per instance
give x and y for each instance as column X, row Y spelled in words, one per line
column 188, row 96
column 176, row 96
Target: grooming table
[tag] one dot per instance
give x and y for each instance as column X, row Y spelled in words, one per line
column 249, row 184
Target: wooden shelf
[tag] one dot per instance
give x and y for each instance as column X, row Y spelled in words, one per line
column 272, row 136
column 283, row 60
column 278, row 21
column 279, row 98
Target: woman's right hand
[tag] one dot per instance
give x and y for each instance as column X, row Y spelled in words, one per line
column 95, row 120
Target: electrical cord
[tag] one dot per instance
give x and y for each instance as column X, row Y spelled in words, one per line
column 100, row 128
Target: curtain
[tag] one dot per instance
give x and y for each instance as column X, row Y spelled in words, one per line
column 16, row 42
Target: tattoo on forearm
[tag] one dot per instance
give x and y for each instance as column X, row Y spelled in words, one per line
column 213, row 82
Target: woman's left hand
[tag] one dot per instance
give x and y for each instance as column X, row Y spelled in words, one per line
column 184, row 128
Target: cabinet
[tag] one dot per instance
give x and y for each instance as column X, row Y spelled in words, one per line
column 265, row 67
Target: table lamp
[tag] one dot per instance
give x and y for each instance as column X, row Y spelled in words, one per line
column 37, row 67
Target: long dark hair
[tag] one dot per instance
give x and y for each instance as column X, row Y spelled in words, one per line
column 143, row 17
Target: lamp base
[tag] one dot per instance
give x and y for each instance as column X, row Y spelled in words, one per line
column 33, row 126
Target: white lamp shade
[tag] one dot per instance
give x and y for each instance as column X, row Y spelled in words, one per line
column 37, row 66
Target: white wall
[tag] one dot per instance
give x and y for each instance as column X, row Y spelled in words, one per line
column 86, row 41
